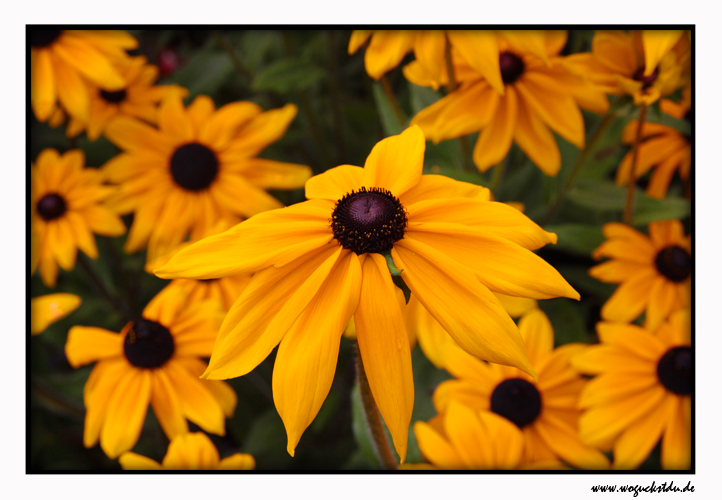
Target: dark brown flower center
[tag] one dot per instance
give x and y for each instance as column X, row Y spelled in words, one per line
column 148, row 344
column 674, row 263
column 193, row 166
column 113, row 97
column 647, row 81
column 51, row 206
column 516, row 400
column 512, row 67
column 674, row 370
column 368, row 221
column 43, row 38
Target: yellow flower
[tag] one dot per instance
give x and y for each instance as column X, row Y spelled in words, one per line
column 469, row 439
column 191, row 451
column 138, row 98
column 664, row 148
column 61, row 59
column 388, row 47
column 67, row 207
column 319, row 262
column 533, row 95
column 50, row 308
column 153, row 360
column 618, row 63
column 199, row 166
column 641, row 392
column 545, row 410
column 654, row 271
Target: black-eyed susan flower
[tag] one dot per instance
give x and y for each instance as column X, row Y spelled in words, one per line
column 198, row 167
column 537, row 96
column 154, row 360
column 641, row 392
column 319, row 262
column 67, row 207
column 138, row 98
column 387, row 48
column 618, row 63
column 190, row 451
column 61, row 59
column 48, row 309
column 544, row 410
column 470, row 439
column 663, row 149
column 654, row 272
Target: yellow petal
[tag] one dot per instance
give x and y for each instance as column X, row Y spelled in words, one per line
column 638, row 440
column 358, row 38
column 133, row 135
column 47, row 309
column 222, row 125
column 198, row 404
column 481, row 50
column 538, row 335
column 333, row 184
column 657, row 43
column 435, row 448
column 87, row 60
column 386, row 50
column 72, row 91
column 469, row 437
column 43, row 89
column 495, row 139
column 239, row 461
column 677, row 440
column 173, row 120
column 446, row 288
column 133, row 461
column 99, row 389
column 440, row 186
column 527, row 41
column 535, row 139
column 166, row 405
column 384, row 348
column 631, row 298
column 564, row 441
column 269, row 174
column 306, row 359
column 126, row 413
column 192, row 451
column 87, row 344
column 396, row 162
column 270, row 238
column 261, row 131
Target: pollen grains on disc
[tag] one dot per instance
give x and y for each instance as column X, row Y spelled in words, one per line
column 674, row 370
column 674, row 263
column 194, row 166
column 43, row 38
column 51, row 206
column 368, row 221
column 511, row 66
column 517, row 400
column 113, row 97
column 148, row 344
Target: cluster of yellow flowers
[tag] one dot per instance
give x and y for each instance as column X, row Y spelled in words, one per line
column 249, row 275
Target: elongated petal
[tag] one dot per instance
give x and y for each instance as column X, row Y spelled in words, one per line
column 502, row 266
column 435, row 448
column 565, row 442
column 99, row 389
column 440, row 186
column 638, row 440
column 445, row 288
column 47, row 309
column 677, row 440
column 469, row 437
column 72, row 91
column 86, row 59
column 535, row 139
column 126, row 413
column 656, row 45
column 358, row 38
column 87, row 344
column 384, row 348
column 265, row 311
column 43, row 89
column 270, row 174
column 481, row 50
column 197, row 402
column 333, row 184
column 306, row 359
column 166, row 405
column 174, row 121
column 239, row 461
column 133, row 461
column 132, row 135
column 497, row 219
column 270, row 238
column 261, row 131
column 396, row 162
column 386, row 50
column 192, row 451
column 630, row 299
column 495, row 139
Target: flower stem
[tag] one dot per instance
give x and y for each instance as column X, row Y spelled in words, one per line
column 392, row 99
column 112, row 301
column 629, row 206
column 497, row 176
column 453, row 85
column 569, row 184
column 373, row 418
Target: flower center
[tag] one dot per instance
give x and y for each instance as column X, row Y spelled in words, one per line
column 674, row 370
column 647, row 81
column 148, row 344
column 193, row 166
column 674, row 263
column 43, row 38
column 113, row 97
column 512, row 67
column 517, row 400
column 369, row 221
column 51, row 206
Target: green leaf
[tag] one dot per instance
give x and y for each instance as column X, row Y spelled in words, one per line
column 566, row 319
column 288, row 75
column 580, row 239
column 267, row 436
column 422, row 97
column 389, row 121
column 205, row 72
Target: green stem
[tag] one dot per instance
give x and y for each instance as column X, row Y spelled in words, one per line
column 569, row 184
column 453, row 85
column 497, row 176
column 394, row 103
column 629, row 205
column 373, row 418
